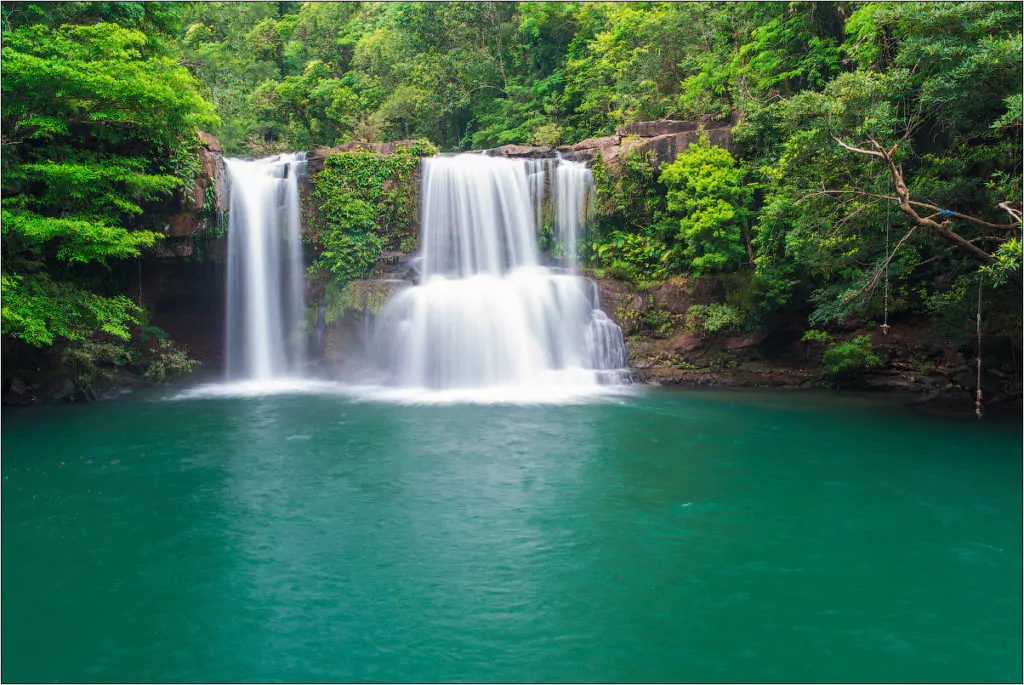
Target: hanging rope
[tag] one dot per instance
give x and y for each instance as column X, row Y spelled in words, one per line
column 885, row 320
column 977, row 406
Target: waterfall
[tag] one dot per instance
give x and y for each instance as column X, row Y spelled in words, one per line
column 486, row 313
column 265, row 270
column 573, row 198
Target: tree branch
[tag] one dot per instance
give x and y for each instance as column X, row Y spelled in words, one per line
column 906, row 205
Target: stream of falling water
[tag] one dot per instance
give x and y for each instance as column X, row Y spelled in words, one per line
column 487, row 314
column 265, row 271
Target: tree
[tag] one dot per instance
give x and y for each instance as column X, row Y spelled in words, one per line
column 705, row 186
column 98, row 121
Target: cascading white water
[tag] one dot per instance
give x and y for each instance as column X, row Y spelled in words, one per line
column 265, row 272
column 486, row 313
column 573, row 198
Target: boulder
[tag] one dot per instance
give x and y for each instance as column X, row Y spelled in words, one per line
column 650, row 129
column 210, row 143
column 590, row 146
column 520, row 151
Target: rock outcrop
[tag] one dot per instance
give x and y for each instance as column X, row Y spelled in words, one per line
column 665, row 139
column 315, row 160
column 198, row 209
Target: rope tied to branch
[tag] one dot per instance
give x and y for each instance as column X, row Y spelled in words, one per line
column 977, row 405
column 885, row 320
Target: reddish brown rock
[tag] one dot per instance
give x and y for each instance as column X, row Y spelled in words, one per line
column 183, row 224
column 210, row 143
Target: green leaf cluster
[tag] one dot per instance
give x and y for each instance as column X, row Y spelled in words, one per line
column 847, row 359
column 706, row 187
column 366, row 203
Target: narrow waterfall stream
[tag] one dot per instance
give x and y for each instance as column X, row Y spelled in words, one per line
column 487, row 313
column 265, row 269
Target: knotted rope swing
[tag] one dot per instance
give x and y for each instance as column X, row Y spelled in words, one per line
column 885, row 320
column 977, row 404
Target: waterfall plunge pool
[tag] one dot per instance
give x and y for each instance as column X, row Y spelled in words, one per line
column 717, row 536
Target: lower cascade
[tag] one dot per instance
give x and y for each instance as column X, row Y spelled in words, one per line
column 265, row 270
column 487, row 312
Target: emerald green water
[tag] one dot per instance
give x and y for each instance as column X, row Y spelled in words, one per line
column 666, row 536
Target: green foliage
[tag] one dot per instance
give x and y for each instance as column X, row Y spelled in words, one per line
column 95, row 362
column 366, row 203
column 99, row 124
column 1008, row 262
column 632, row 256
column 39, row 310
column 649, row 319
column 706, row 188
column 89, row 358
column 708, row 319
column 168, row 360
column 846, row 359
column 351, row 299
column 940, row 82
column 629, row 238
column 816, row 337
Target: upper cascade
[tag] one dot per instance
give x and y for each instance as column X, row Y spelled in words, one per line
column 477, row 216
column 488, row 313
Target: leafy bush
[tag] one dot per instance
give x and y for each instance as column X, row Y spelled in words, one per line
column 94, row 362
column 815, row 336
column 649, row 319
column 707, row 319
column 848, row 358
column 169, row 360
column 706, row 189
column 633, row 256
column 88, row 358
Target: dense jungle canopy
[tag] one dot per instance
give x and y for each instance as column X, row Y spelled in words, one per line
column 872, row 138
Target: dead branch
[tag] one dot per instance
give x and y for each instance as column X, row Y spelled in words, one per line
column 907, row 206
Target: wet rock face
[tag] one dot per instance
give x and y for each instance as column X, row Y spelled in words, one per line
column 194, row 210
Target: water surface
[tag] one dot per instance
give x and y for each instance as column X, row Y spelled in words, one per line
column 664, row 536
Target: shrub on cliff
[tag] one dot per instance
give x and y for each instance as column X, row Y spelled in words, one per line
column 366, row 203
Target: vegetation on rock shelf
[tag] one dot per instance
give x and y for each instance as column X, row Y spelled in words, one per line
column 366, row 203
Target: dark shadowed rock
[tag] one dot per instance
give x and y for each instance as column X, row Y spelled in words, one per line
column 186, row 223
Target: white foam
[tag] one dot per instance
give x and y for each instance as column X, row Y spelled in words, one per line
column 557, row 393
